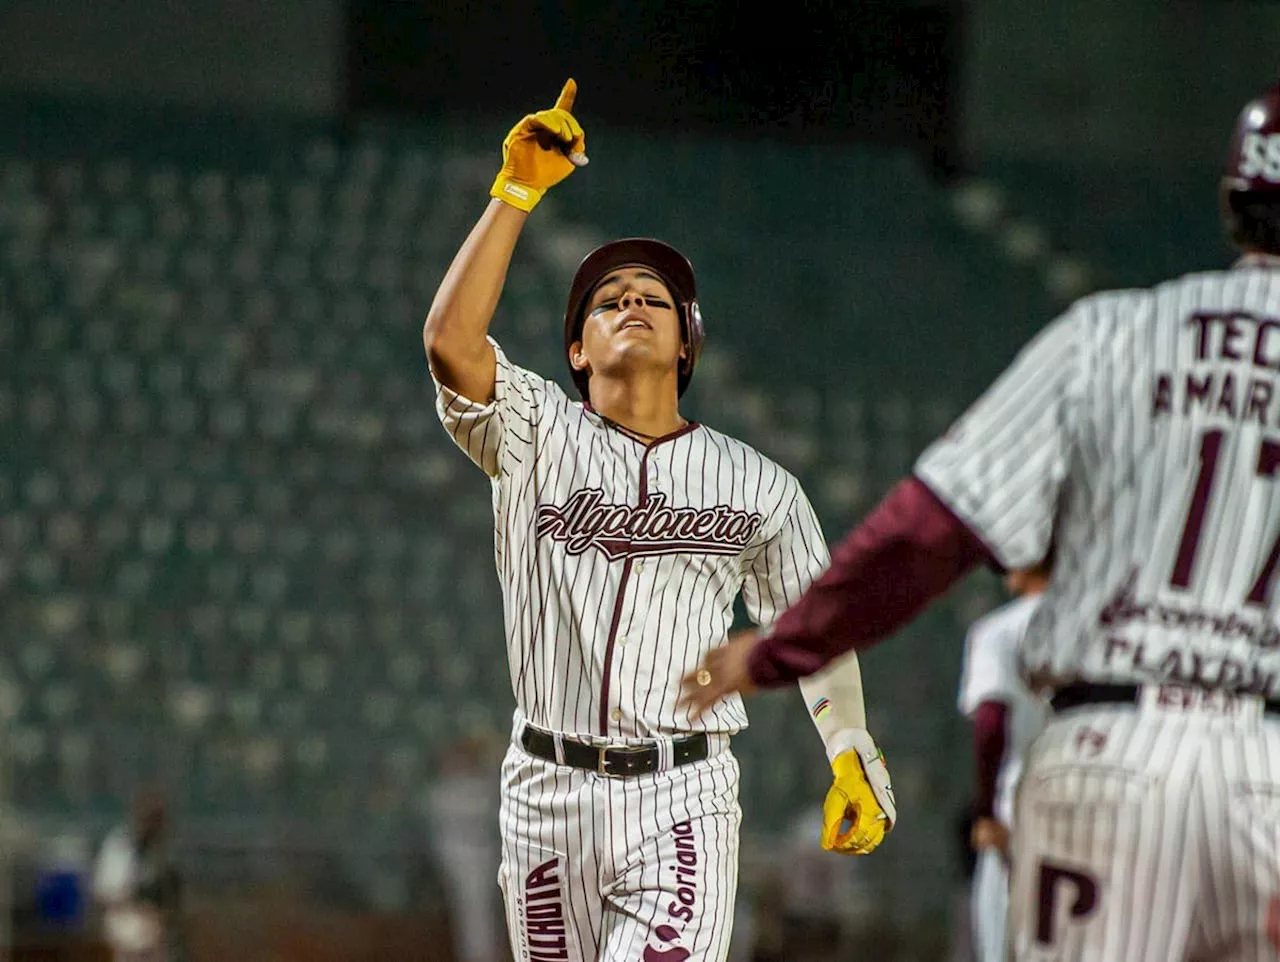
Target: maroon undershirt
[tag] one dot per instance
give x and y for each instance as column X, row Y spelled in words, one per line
column 907, row 552
column 990, row 736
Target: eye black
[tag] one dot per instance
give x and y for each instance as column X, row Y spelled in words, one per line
column 650, row 300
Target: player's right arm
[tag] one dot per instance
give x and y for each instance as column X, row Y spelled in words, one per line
column 489, row 406
column 456, row 332
column 539, row 152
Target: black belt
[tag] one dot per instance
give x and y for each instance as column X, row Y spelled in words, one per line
column 1088, row 693
column 638, row 760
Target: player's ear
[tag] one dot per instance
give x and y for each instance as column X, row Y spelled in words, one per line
column 577, row 357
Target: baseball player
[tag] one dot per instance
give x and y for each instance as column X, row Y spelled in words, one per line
column 1139, row 434
column 1006, row 717
column 623, row 533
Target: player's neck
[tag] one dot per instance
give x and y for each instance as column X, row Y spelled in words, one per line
column 647, row 408
column 1258, row 258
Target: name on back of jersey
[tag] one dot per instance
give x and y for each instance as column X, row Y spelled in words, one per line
column 1220, row 339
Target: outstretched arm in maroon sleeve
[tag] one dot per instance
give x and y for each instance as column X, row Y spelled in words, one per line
column 907, row 552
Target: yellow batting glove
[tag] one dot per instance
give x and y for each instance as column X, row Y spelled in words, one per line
column 861, row 796
column 539, row 152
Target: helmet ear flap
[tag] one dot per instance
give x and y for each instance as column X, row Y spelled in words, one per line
column 692, row 333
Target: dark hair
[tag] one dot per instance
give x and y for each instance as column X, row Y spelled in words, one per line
column 1253, row 220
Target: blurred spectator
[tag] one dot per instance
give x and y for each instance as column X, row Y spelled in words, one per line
column 461, row 809
column 139, row 889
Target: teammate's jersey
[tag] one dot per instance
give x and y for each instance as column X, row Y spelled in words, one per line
column 620, row 563
column 1139, row 435
column 992, row 673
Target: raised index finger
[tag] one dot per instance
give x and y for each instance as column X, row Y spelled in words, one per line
column 567, row 95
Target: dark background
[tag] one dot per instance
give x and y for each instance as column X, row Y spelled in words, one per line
column 881, row 72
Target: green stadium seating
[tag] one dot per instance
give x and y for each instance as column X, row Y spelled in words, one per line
column 224, row 552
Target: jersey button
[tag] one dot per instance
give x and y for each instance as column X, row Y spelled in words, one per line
column 639, row 566
column 622, row 639
column 616, row 714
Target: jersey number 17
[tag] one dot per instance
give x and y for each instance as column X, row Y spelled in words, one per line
column 1193, row 527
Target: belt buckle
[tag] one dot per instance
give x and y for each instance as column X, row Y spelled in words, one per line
column 602, row 766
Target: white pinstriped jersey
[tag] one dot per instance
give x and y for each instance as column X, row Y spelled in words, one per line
column 992, row 673
column 1140, row 435
column 620, row 563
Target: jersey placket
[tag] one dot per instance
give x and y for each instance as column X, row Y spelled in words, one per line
column 648, row 476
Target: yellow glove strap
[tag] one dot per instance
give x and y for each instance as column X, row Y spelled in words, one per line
column 517, row 195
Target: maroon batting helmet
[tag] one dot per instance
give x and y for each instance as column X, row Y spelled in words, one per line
column 1251, row 185
column 669, row 264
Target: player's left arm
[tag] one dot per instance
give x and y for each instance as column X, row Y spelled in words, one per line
column 860, row 807
column 986, row 492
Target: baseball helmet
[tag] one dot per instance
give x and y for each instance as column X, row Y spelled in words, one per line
column 1250, row 190
column 669, row 264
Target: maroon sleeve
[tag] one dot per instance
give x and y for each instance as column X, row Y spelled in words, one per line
column 989, row 740
column 907, row 552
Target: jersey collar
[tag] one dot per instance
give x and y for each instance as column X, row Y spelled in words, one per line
column 613, row 426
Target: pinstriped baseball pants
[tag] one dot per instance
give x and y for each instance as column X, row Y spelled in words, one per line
column 1150, row 834
column 605, row 869
column 989, row 907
